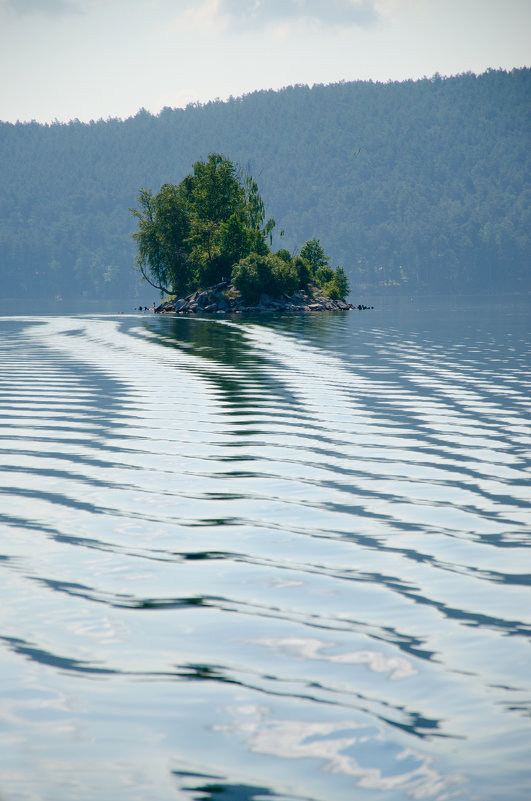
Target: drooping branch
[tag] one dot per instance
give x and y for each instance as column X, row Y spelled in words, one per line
column 155, row 286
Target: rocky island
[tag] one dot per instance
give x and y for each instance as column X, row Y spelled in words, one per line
column 224, row 298
column 211, row 231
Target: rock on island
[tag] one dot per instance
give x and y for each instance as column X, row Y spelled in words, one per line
column 224, row 298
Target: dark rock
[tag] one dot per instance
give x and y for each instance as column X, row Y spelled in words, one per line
column 265, row 299
column 224, row 298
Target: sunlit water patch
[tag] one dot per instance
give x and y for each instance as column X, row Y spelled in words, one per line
column 282, row 558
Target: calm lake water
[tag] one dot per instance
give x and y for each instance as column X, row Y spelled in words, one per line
column 275, row 559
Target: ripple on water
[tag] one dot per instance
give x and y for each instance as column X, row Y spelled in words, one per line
column 284, row 559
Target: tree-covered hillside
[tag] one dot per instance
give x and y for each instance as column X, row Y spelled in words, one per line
column 412, row 186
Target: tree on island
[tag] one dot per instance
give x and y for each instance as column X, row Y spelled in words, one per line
column 212, row 226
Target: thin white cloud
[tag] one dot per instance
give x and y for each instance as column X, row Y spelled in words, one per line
column 326, row 12
column 223, row 16
column 205, row 18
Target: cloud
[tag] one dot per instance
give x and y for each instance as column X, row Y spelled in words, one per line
column 50, row 8
column 326, row 12
column 202, row 17
column 222, row 16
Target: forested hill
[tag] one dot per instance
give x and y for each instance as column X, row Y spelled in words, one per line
column 417, row 186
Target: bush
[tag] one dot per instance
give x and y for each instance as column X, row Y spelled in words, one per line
column 284, row 255
column 304, row 271
column 285, row 277
column 248, row 276
column 271, row 274
column 323, row 275
column 314, row 254
column 337, row 288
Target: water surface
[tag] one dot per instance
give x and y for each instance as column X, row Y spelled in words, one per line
column 266, row 558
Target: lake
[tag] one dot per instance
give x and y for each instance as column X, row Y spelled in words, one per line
column 266, row 558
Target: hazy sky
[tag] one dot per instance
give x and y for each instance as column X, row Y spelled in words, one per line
column 91, row 59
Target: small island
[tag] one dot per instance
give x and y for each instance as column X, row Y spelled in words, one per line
column 224, row 298
column 206, row 245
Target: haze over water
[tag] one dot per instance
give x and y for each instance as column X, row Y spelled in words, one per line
column 266, row 558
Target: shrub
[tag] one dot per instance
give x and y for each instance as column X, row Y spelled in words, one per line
column 285, row 278
column 284, row 255
column 271, row 274
column 248, row 277
column 314, row 255
column 337, row 288
column 323, row 275
column 304, row 271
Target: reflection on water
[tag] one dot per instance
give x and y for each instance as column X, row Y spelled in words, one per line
column 349, row 748
column 280, row 558
column 214, row 787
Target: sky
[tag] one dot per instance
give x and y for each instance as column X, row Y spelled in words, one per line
column 96, row 59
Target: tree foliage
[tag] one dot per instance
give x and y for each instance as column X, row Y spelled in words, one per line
column 334, row 283
column 314, row 254
column 213, row 226
column 163, row 231
column 192, row 234
column 271, row 274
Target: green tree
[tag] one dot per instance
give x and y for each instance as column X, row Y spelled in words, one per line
column 163, row 229
column 323, row 275
column 215, row 196
column 270, row 274
column 192, row 234
column 337, row 288
column 284, row 254
column 213, row 226
column 314, row 255
column 304, row 271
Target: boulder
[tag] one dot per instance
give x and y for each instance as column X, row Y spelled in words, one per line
column 224, row 298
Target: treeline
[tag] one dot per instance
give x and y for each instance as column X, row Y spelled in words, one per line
column 417, row 186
